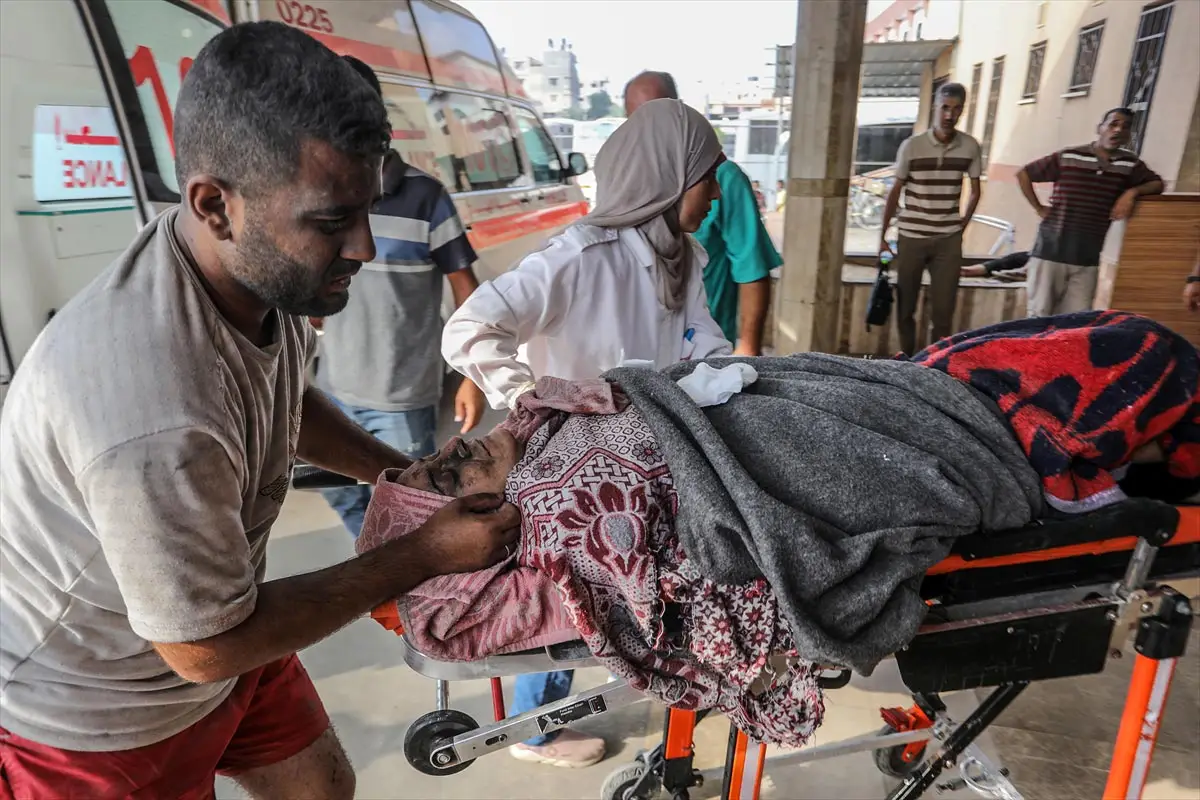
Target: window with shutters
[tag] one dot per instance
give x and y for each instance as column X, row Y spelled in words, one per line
column 989, row 122
column 1145, row 66
column 1086, row 53
column 973, row 100
column 1033, row 76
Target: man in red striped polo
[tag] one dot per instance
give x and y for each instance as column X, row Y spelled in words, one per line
column 1094, row 184
column 929, row 172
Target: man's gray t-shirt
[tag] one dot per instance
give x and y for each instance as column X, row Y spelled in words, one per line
column 145, row 451
column 383, row 351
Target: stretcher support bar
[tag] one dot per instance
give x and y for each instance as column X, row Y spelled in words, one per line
column 1161, row 640
column 545, row 719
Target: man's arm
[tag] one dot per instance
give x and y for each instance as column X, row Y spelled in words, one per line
column 1191, row 289
column 451, row 250
column 469, row 402
column 1026, row 184
column 170, row 513
column 1043, row 170
column 889, row 211
column 331, row 440
column 752, row 256
column 1143, row 181
column 293, row 613
column 754, row 299
column 972, row 202
column 892, row 204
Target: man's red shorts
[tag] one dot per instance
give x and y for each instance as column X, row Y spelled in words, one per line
column 272, row 714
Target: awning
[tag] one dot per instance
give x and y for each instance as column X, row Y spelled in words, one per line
column 893, row 69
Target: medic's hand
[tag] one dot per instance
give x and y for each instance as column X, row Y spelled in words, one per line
column 468, row 534
column 469, row 403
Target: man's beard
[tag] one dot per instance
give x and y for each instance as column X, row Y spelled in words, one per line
column 283, row 283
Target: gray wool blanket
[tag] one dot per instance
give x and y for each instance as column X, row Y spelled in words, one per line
column 840, row 481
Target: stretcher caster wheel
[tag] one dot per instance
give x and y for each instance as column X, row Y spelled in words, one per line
column 620, row 785
column 899, row 761
column 429, row 733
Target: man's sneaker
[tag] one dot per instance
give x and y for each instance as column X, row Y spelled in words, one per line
column 571, row 749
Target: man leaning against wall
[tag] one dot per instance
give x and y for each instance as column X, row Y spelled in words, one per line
column 1094, row 184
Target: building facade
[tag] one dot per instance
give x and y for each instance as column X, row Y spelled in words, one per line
column 552, row 79
column 1041, row 75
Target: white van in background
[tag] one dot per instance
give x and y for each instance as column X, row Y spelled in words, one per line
column 87, row 96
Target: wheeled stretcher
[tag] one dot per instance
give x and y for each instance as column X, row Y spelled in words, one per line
column 1057, row 599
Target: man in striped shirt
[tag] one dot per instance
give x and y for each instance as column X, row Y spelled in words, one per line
column 381, row 357
column 1094, row 184
column 929, row 174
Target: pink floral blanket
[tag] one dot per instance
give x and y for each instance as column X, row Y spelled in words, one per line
column 598, row 548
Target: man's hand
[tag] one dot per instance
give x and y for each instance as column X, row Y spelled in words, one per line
column 745, row 351
column 1043, row 211
column 470, row 533
column 974, row 271
column 885, row 246
column 1124, row 205
column 469, row 404
column 1191, row 296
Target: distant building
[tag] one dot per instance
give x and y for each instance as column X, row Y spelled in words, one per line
column 552, row 79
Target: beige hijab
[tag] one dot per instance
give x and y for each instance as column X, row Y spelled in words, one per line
column 642, row 171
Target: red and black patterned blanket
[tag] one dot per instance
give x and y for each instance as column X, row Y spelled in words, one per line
column 1083, row 392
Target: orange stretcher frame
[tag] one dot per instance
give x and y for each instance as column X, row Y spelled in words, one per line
column 1149, row 686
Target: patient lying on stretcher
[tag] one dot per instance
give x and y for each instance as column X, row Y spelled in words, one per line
column 687, row 547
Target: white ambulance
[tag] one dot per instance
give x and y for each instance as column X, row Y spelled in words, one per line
column 87, row 93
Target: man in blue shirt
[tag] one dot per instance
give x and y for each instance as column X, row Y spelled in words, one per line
column 741, row 255
column 381, row 359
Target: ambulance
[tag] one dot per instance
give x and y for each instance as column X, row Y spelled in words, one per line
column 87, row 96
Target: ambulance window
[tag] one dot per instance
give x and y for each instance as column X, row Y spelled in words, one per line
column 416, row 138
column 485, row 155
column 77, row 155
column 159, row 40
column 459, row 50
column 543, row 158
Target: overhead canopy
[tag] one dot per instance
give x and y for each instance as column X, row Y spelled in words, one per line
column 893, row 69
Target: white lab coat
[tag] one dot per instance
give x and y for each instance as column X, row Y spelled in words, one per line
column 585, row 304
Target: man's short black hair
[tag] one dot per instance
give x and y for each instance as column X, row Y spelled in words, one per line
column 255, row 93
column 664, row 78
column 1128, row 112
column 367, row 73
column 953, row 90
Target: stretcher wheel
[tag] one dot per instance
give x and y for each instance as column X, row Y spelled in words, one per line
column 619, row 784
column 890, row 760
column 431, row 731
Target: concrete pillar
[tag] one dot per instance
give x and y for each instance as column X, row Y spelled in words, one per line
column 826, row 69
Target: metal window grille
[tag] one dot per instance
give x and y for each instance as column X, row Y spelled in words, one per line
column 989, row 123
column 973, row 103
column 1144, row 67
column 1086, row 53
column 1033, row 77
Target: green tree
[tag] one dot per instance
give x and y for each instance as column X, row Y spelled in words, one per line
column 598, row 105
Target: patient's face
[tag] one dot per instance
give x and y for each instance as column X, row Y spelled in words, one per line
column 465, row 467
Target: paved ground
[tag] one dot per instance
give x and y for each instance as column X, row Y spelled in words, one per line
column 1056, row 739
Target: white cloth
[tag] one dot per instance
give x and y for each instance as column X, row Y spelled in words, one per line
column 709, row 386
column 583, row 305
